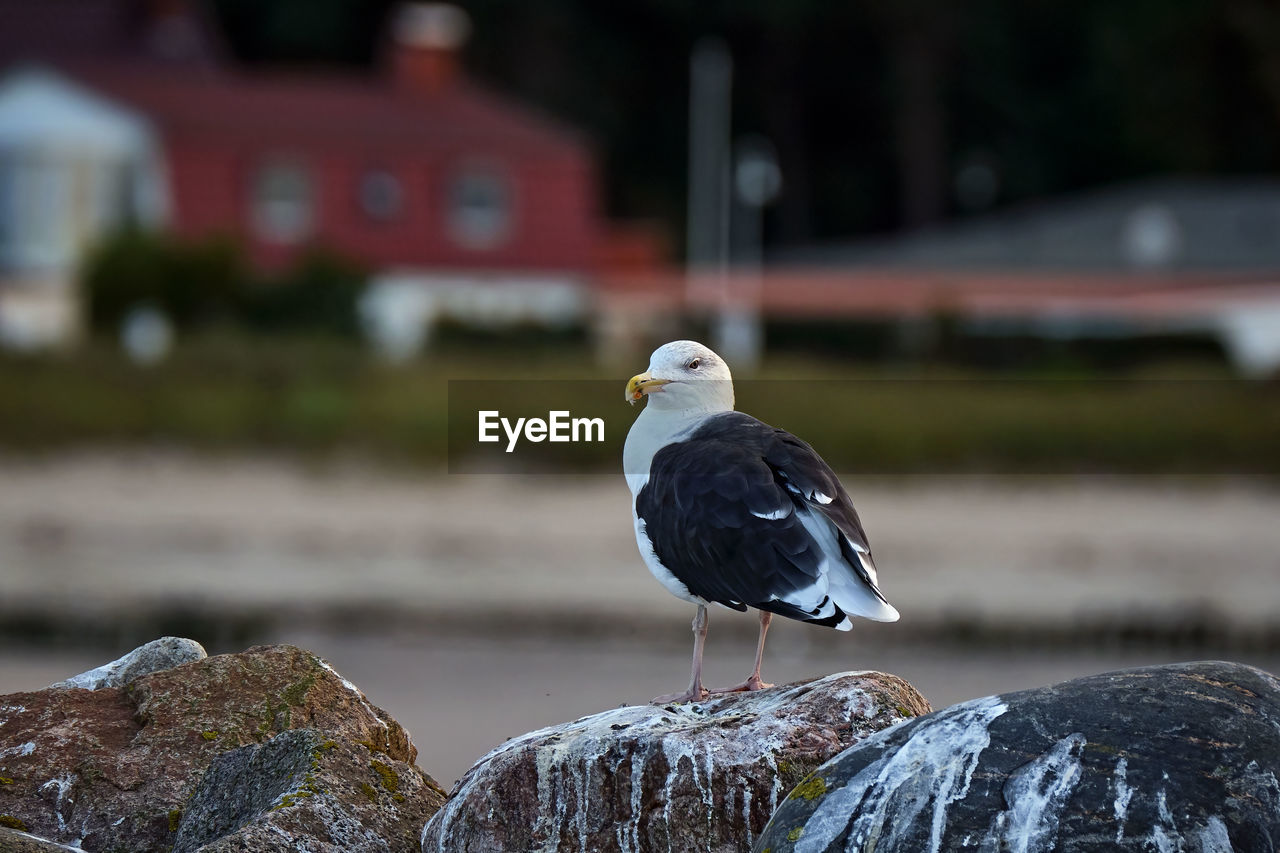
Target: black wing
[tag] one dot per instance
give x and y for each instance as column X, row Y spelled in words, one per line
column 726, row 511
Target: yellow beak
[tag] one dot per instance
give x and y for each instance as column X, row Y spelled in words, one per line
column 641, row 384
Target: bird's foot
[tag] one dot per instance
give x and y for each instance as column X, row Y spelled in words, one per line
column 752, row 683
column 681, row 698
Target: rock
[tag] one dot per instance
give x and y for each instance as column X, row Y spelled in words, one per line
column 1167, row 758
column 245, row 784
column 302, row 790
column 700, row 777
column 112, row 769
column 16, row 841
column 157, row 655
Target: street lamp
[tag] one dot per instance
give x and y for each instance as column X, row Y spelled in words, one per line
column 757, row 181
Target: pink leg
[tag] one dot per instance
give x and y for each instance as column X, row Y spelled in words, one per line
column 696, row 692
column 754, row 681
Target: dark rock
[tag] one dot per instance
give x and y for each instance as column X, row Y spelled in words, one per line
column 155, row 656
column 16, row 841
column 1183, row 757
column 302, row 790
column 700, row 777
column 111, row 769
column 244, row 784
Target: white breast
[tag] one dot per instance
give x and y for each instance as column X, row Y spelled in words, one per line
column 651, row 432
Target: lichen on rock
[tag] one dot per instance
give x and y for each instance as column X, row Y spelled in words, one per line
column 274, row 796
column 116, row 768
column 810, row 789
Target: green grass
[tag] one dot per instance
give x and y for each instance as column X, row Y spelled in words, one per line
column 316, row 398
column 1023, row 425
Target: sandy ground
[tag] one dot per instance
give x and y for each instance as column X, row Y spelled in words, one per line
column 117, row 532
column 113, row 535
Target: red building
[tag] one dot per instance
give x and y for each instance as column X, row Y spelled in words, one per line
column 416, row 168
column 419, row 166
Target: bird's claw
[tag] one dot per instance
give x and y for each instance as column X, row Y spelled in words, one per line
column 752, row 683
column 682, row 698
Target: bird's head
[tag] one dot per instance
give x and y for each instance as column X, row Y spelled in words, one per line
column 684, row 375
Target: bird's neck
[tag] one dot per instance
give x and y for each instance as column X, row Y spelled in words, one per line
column 653, row 430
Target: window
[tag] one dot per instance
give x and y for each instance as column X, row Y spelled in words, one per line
column 1151, row 236
column 283, row 203
column 479, row 213
column 381, row 195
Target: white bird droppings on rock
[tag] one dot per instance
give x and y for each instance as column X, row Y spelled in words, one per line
column 21, row 749
column 1034, row 795
column 1120, row 806
column 1179, row 757
column 701, row 776
column 59, row 787
column 1214, row 838
column 888, row 796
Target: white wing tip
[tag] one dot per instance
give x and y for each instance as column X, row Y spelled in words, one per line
column 882, row 613
column 886, row 613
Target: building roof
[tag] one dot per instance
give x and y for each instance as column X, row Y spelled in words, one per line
column 328, row 111
column 164, row 59
column 1165, row 225
column 41, row 111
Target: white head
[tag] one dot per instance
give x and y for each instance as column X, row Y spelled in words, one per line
column 684, row 376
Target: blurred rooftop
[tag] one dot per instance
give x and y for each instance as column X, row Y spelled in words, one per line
column 1160, row 225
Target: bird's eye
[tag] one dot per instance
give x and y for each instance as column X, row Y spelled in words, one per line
column 695, row 364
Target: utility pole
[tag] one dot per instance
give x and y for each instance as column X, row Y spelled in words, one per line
column 707, row 255
column 757, row 181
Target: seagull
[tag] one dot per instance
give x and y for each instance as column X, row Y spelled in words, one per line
column 731, row 511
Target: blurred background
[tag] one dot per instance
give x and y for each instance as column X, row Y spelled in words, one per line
column 1013, row 269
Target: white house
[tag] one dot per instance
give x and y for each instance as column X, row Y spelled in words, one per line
column 73, row 166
